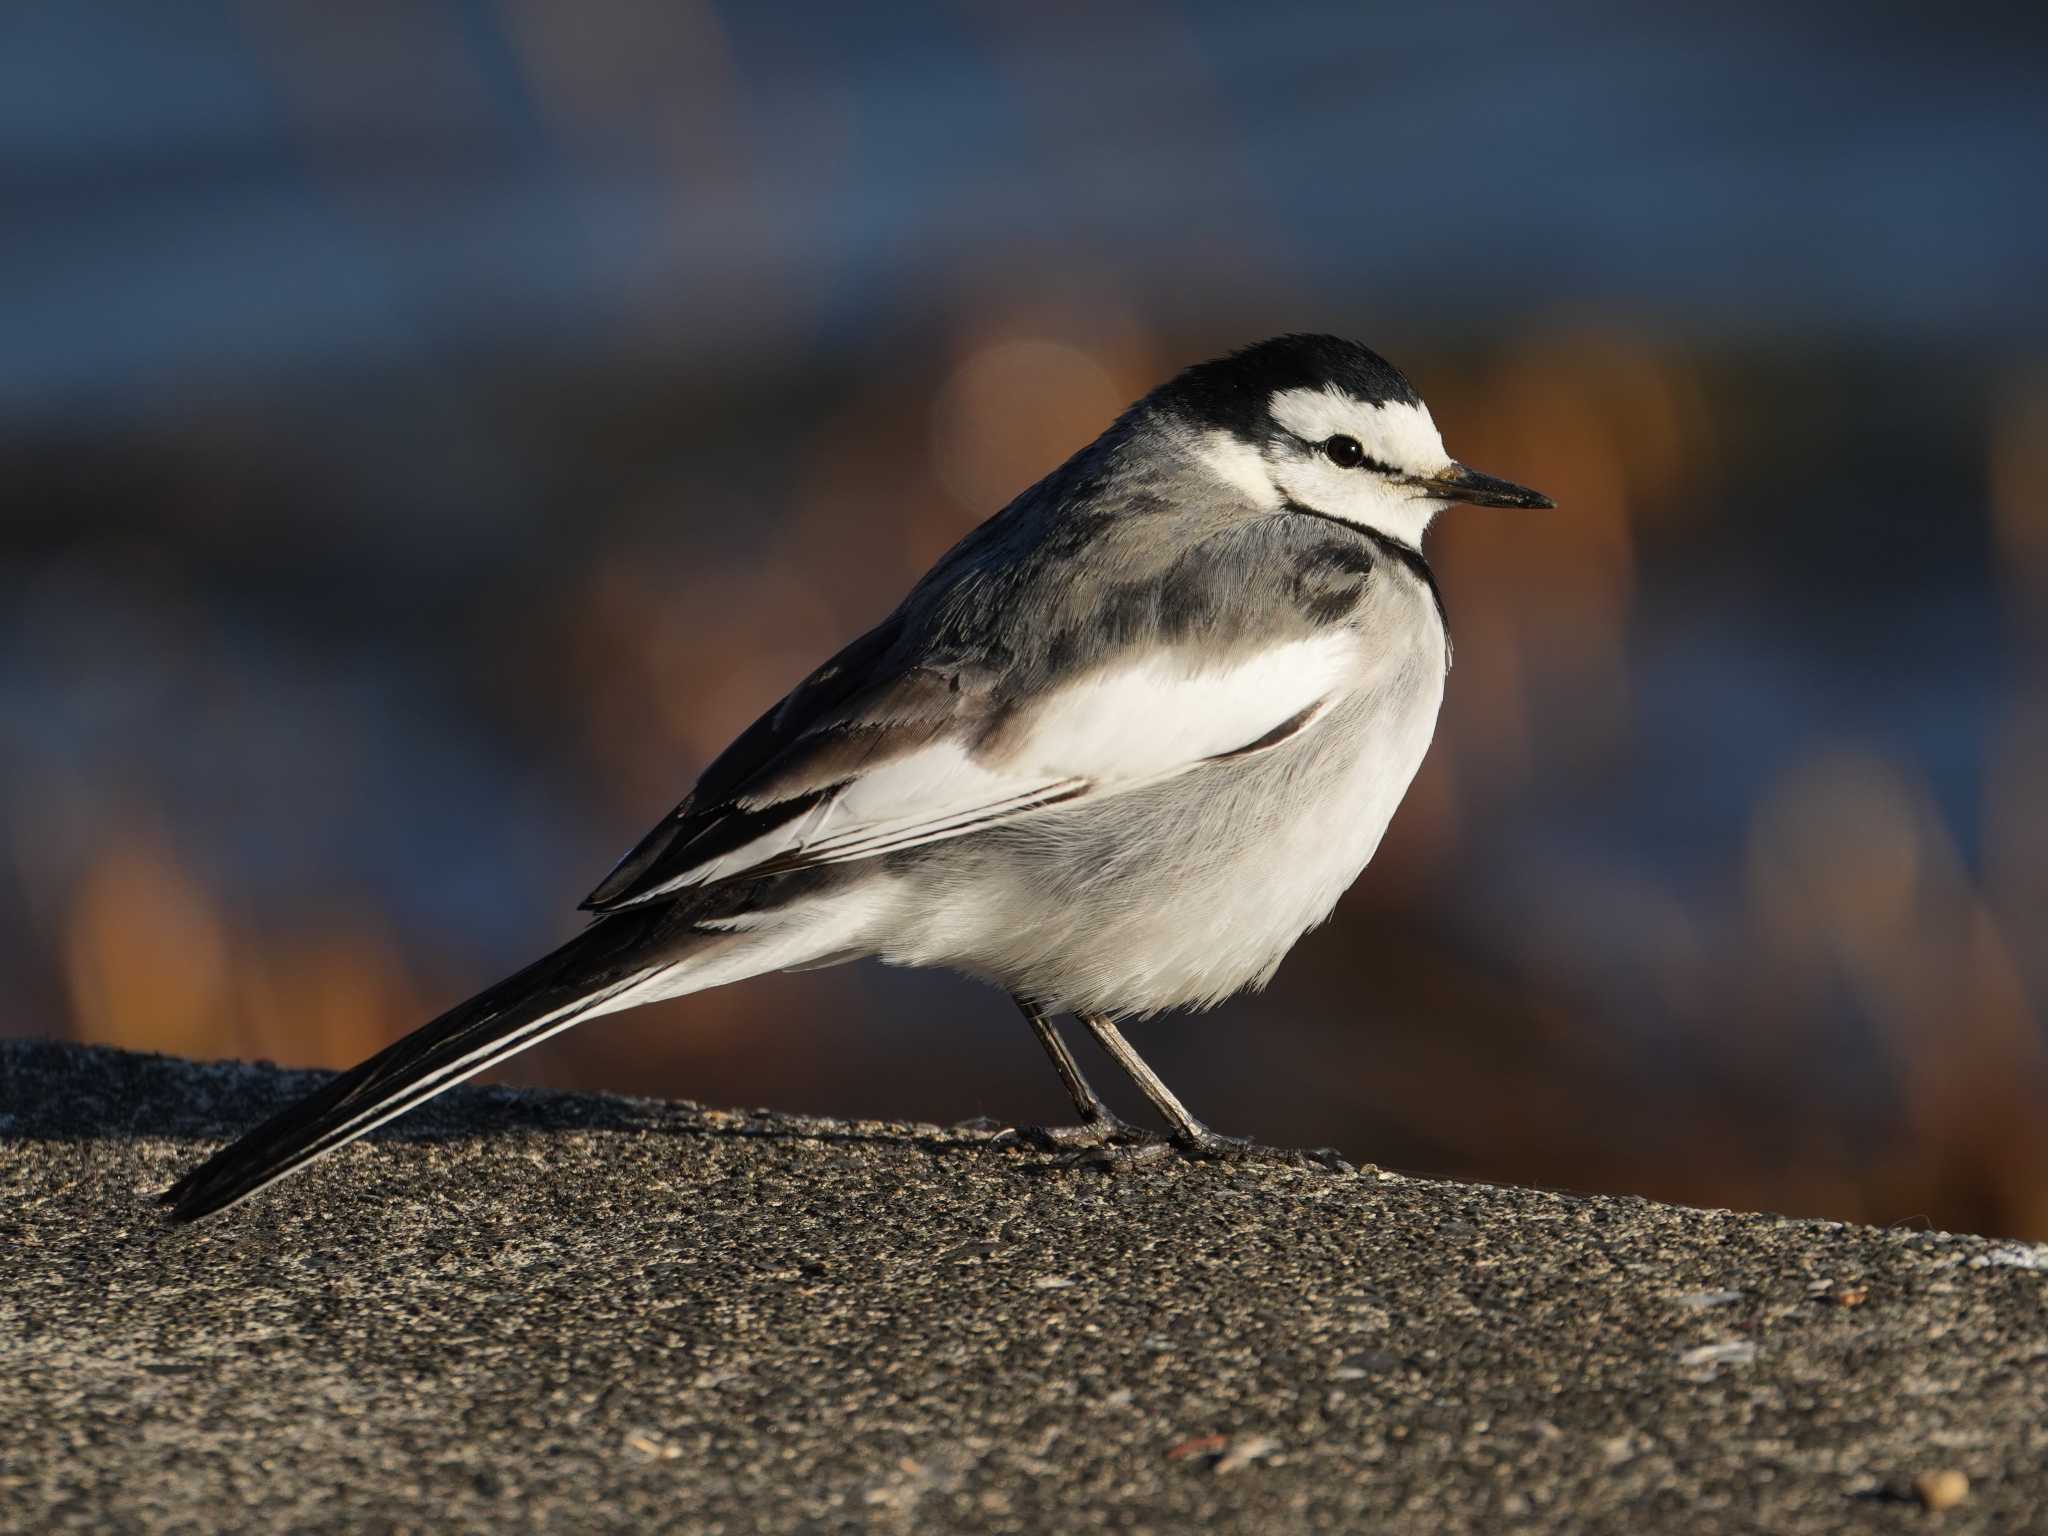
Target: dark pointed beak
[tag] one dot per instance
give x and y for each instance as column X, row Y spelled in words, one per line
column 1458, row 483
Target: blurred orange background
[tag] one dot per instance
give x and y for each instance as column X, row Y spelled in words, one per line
column 429, row 433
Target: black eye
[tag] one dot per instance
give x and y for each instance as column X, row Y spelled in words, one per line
column 1344, row 451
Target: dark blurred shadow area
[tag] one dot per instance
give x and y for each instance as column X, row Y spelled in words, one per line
column 429, row 432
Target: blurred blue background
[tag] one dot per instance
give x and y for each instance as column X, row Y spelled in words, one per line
column 428, row 432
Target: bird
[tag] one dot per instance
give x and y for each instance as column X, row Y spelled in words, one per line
column 1115, row 753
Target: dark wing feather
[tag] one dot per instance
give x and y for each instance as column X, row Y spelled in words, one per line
column 861, row 707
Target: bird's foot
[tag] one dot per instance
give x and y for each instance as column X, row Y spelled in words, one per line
column 1113, row 1153
column 1109, row 1142
column 1103, row 1133
column 1206, row 1145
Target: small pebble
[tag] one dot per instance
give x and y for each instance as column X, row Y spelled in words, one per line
column 652, row 1446
column 1944, row 1489
column 1199, row 1445
column 1245, row 1450
column 1367, row 1362
column 1734, row 1352
column 1699, row 1301
column 1225, row 1454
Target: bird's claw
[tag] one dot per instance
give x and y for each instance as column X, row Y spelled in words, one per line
column 1113, row 1155
column 1212, row 1147
column 1104, row 1133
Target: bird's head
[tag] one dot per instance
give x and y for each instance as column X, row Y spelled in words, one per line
column 1323, row 426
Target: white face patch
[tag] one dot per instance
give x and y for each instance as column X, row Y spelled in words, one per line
column 1398, row 435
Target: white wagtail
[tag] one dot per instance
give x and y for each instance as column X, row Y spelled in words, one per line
column 1120, row 748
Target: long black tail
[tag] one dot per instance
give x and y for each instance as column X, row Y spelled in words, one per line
column 553, row 993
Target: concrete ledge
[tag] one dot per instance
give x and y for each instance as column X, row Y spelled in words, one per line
column 525, row 1310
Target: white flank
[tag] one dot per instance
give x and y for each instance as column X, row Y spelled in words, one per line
column 1132, row 725
column 1114, row 730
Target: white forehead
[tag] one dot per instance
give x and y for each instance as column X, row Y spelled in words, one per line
column 1394, row 432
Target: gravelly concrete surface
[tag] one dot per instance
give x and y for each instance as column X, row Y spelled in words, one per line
column 527, row 1310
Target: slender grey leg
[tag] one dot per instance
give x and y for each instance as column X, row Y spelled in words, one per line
column 1100, row 1125
column 1186, row 1128
column 1088, row 1104
column 1193, row 1137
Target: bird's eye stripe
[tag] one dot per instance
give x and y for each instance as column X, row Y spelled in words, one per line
column 1346, row 452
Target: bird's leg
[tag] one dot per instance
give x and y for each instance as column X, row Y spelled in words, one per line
column 1100, row 1125
column 1189, row 1134
column 1088, row 1104
column 1186, row 1128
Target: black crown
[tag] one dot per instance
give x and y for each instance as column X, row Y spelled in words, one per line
column 1232, row 392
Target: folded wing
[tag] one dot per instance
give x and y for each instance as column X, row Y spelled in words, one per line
column 850, row 767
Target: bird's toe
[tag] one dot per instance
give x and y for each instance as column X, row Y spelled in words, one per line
column 1211, row 1146
column 1102, row 1133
